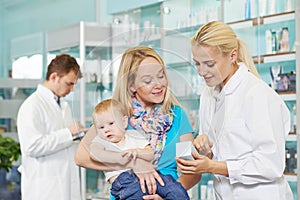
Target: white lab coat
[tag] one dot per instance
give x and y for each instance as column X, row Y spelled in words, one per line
column 248, row 124
column 48, row 170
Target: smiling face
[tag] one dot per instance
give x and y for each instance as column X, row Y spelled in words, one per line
column 215, row 67
column 111, row 125
column 150, row 83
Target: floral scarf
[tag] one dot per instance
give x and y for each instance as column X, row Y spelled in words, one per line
column 154, row 125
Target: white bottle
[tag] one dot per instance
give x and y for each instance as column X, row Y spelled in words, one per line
column 203, row 192
column 210, row 194
column 272, row 7
column 263, row 8
column 294, row 118
column 268, row 41
column 126, row 28
column 247, row 9
column 288, row 5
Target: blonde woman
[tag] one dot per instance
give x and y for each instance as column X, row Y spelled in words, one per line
column 143, row 87
column 243, row 122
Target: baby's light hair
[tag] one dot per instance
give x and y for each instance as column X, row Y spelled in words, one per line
column 117, row 108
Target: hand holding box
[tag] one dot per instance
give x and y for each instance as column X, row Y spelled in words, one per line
column 184, row 150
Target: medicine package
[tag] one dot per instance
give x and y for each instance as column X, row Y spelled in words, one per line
column 184, row 150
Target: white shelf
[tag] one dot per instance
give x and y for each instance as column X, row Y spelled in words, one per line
column 288, row 97
column 279, row 58
column 243, row 24
column 13, row 135
column 279, row 18
column 292, row 138
column 9, row 108
column 93, row 34
column 19, row 83
column 291, row 178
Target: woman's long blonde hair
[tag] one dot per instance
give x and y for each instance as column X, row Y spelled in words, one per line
column 130, row 62
column 221, row 36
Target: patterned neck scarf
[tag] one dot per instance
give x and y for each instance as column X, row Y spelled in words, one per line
column 153, row 125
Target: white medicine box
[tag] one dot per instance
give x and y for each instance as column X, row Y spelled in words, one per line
column 184, row 150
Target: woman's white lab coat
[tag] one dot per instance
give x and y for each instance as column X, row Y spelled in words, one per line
column 248, row 123
column 48, row 170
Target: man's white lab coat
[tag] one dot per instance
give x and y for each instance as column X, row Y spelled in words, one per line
column 48, row 169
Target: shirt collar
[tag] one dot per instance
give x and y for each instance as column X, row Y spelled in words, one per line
column 46, row 92
column 236, row 79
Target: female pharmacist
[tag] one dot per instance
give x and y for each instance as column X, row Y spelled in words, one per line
column 243, row 122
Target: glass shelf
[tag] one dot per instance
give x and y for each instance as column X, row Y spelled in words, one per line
column 277, row 57
column 292, row 137
column 288, row 96
column 262, row 20
column 291, row 177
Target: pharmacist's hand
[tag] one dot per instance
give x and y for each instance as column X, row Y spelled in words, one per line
column 147, row 174
column 200, row 165
column 153, row 197
column 76, row 127
column 203, row 145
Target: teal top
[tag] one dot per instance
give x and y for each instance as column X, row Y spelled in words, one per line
column 180, row 126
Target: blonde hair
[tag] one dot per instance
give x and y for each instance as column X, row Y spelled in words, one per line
column 130, row 62
column 104, row 105
column 221, row 36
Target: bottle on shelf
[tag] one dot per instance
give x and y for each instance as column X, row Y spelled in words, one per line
column 288, row 5
column 272, row 7
column 203, row 192
column 287, row 160
column 274, row 41
column 293, row 160
column 268, row 41
column 294, row 118
column 210, row 191
column 263, row 8
column 247, row 9
column 284, row 42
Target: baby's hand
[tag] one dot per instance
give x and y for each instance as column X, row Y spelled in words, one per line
column 130, row 154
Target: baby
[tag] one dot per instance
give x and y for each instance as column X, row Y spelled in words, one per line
column 116, row 145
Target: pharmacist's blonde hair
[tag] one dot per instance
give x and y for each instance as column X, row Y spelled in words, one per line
column 130, row 62
column 222, row 37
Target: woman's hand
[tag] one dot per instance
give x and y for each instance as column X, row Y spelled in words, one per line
column 203, row 145
column 147, row 174
column 153, row 197
column 200, row 165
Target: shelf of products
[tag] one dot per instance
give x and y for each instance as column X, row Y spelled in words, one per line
column 12, row 94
